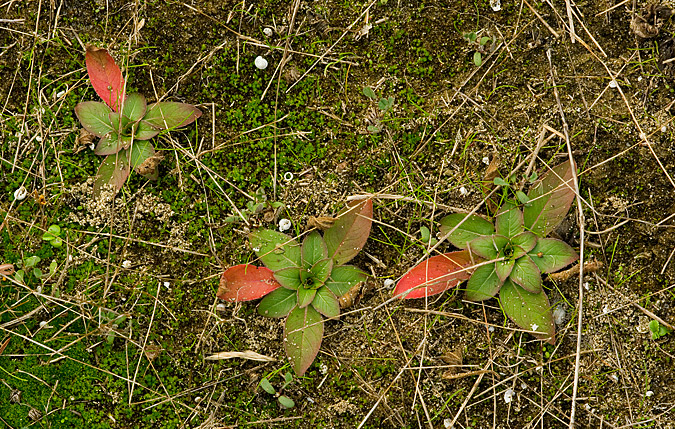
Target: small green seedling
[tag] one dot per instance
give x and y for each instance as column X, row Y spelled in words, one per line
column 29, row 265
column 110, row 322
column 427, row 239
column 283, row 400
column 302, row 282
column 259, row 205
column 658, row 330
column 507, row 256
column 384, row 104
column 480, row 44
column 53, row 236
column 125, row 123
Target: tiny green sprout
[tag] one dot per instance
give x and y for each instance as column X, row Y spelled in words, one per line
column 283, row 400
column 53, row 236
column 658, row 330
column 426, row 237
column 267, row 386
column 500, row 182
column 477, row 58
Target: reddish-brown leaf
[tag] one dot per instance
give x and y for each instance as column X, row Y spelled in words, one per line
column 105, row 76
column 348, row 234
column 246, row 282
column 435, row 275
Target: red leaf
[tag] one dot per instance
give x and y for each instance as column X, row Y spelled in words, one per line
column 435, row 275
column 105, row 76
column 246, row 282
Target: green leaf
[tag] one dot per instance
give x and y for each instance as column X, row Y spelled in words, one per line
column 343, row 278
column 290, row 278
column 278, row 303
column 114, row 171
column 19, row 275
column 305, row 296
column 37, row 273
column 111, row 144
column 550, row 255
column 140, row 151
column 313, row 249
column 509, row 221
column 477, row 59
column 471, row 228
column 550, row 200
column 484, row 40
column 286, row 402
column 348, row 234
column 504, row 268
column 322, row 269
column 275, row 250
column 303, row 333
column 134, row 107
column 119, row 122
column 267, row 386
column 483, row 284
column 168, row 115
column 145, row 131
column 56, row 242
column 326, row 303
column 94, row 117
column 54, row 229
column 526, row 274
column 528, row 310
column 523, row 198
column 368, row 92
column 523, row 243
column 31, row 261
column 488, row 246
column 500, row 182
column 52, row 268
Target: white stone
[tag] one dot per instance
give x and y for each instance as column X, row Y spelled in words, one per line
column 126, row 264
column 559, row 315
column 260, row 63
column 486, row 160
column 613, row 84
column 268, row 32
column 463, row 191
column 491, row 328
column 496, row 5
column 221, row 307
column 167, row 284
column 284, row 225
column 43, row 324
column 20, row 193
column 649, row 393
column 508, row 395
column 664, row 129
column 388, row 283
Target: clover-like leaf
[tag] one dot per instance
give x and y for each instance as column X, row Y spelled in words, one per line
column 290, row 277
column 550, row 199
column 509, row 220
column 303, row 333
column 134, row 107
column 114, row 170
column 167, row 115
column 275, row 250
column 326, row 303
column 435, row 275
column 471, row 228
column 278, row 303
column 313, row 249
column 343, row 278
column 95, row 117
column 105, row 76
column 246, row 282
column 550, row 255
column 488, row 246
column 530, row 311
column 483, row 284
column 350, row 231
column 526, row 274
column 305, row 296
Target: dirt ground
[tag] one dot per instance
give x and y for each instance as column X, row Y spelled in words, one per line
column 551, row 77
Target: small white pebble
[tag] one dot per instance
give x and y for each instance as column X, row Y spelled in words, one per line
column 221, row 307
column 649, row 393
column 664, row 129
column 268, row 32
column 614, row 377
column 496, row 5
column 43, row 324
column 38, row 138
column 310, row 400
column 613, row 84
column 605, row 309
column 523, row 386
column 491, row 328
column 323, row 368
column 534, row 326
column 60, row 94
column 388, row 283
column 167, row 284
column 587, row 286
column 260, row 63
column 559, row 315
column 20, row 193
column 92, row 146
column 639, row 78
column 463, row 191
column 486, row 160
column 198, row 399
column 508, row 395
column 447, row 423
column 284, row 225
column 126, row 264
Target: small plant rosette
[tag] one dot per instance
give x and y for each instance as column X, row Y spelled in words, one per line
column 506, row 257
column 124, row 123
column 302, row 281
